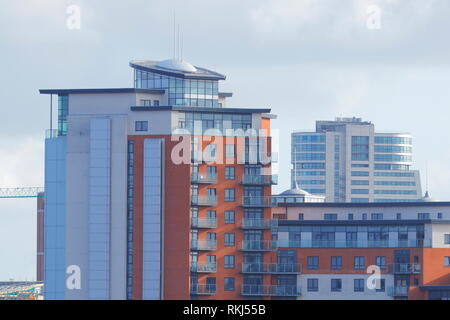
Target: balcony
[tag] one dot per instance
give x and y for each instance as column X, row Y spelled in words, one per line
column 203, row 289
column 352, row 244
column 398, row 291
column 203, row 223
column 405, row 268
column 203, row 267
column 271, row 290
column 203, row 201
column 259, row 180
column 203, row 245
column 51, row 133
column 258, row 224
column 256, row 202
column 199, row 178
column 272, row 268
column 258, row 245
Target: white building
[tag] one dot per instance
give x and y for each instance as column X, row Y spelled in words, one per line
column 347, row 161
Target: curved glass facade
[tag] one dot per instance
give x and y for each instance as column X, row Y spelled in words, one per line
column 181, row 92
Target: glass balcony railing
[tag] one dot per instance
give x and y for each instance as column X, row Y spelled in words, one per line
column 51, row 133
column 353, row 244
column 203, row 245
column 263, row 180
column 203, row 267
column 258, row 245
column 271, row 290
column 203, row 223
column 205, row 201
column 272, row 268
column 258, row 224
column 256, row 202
column 405, row 268
column 203, row 178
column 203, row 289
column 398, row 291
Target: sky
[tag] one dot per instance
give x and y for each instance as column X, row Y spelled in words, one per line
column 305, row 59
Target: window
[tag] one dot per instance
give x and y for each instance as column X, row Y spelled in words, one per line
column 146, row 103
column 301, row 216
column 230, row 173
column 330, row 216
column 229, row 262
column 229, row 217
column 423, row 216
column 382, row 286
column 446, row 238
column 377, row 216
column 359, row 285
column 381, row 262
column 336, row 263
column 230, row 195
column 336, row 285
column 447, row 261
column 364, row 216
column 399, row 216
column 228, row 284
column 360, row 191
column 359, row 262
column 313, row 263
column 313, row 285
column 416, row 282
column 156, row 103
column 229, row 239
column 350, row 216
column 439, row 215
column 141, row 125
column 229, row 150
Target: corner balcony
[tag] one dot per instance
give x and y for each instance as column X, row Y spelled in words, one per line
column 203, row 201
column 203, row 267
column 271, row 268
column 256, row 202
column 203, row 223
column 199, row 178
column 258, row 224
column 405, row 268
column 258, row 245
column 271, row 290
column 203, row 245
column 398, row 291
column 259, row 180
column 203, row 289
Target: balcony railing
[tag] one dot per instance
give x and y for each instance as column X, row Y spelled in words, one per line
column 405, row 268
column 272, row 268
column 256, row 202
column 271, row 290
column 258, row 224
column 353, row 244
column 51, row 133
column 203, row 223
column 258, row 245
column 203, row 178
column 261, row 180
column 205, row 201
column 203, row 289
column 398, row 291
column 203, row 267
column 203, row 245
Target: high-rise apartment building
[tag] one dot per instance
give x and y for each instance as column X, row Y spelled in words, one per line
column 158, row 191
column 347, row 161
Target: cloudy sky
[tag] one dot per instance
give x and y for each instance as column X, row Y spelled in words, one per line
column 306, row 59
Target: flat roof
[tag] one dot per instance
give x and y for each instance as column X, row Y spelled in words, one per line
column 101, row 90
column 364, row 205
column 200, row 74
column 200, row 109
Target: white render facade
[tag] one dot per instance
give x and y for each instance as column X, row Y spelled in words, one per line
column 347, row 161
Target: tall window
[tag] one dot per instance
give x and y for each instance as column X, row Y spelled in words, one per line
column 230, row 173
column 381, row 262
column 359, row 285
column 230, row 195
column 446, row 238
column 228, row 284
column 359, row 262
column 336, row 285
column 229, row 150
column 313, row 263
column 313, row 285
column 229, row 239
column 336, row 263
column 229, row 262
column 229, row 217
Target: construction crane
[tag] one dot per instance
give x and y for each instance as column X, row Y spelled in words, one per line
column 23, row 192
